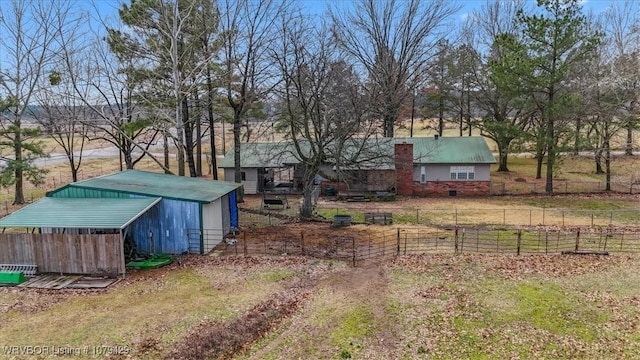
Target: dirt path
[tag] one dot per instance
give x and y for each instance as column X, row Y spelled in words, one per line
column 364, row 285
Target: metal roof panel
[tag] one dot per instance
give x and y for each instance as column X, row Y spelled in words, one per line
column 158, row 184
column 79, row 213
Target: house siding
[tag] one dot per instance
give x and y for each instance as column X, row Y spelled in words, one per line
column 251, row 176
column 441, row 172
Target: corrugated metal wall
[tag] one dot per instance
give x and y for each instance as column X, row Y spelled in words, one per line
column 174, row 218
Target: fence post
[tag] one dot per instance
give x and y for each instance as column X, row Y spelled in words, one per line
column 405, row 243
column 302, row 242
column 562, row 217
column 519, row 241
column 354, row 251
column 244, row 241
column 417, row 216
column 578, row 240
column 398, row 243
column 543, row 215
column 546, row 241
column 455, row 244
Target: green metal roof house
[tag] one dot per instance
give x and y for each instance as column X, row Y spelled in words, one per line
column 411, row 166
column 193, row 216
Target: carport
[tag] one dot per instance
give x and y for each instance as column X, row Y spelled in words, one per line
column 74, row 236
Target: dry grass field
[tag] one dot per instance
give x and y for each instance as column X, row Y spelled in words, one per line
column 411, row 307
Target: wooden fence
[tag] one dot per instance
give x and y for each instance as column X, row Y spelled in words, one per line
column 456, row 240
column 64, row 253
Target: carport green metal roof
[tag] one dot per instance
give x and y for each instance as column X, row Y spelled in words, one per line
column 79, row 213
column 157, row 184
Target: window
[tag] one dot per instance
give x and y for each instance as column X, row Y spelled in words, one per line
column 423, row 175
column 462, row 172
column 243, row 176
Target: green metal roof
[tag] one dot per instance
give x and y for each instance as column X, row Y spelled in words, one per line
column 426, row 150
column 158, row 184
column 450, row 150
column 263, row 155
column 79, row 213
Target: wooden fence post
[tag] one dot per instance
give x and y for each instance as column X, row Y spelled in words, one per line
column 354, row 251
column 578, row 240
column 244, row 241
column 455, row 245
column 519, row 241
column 398, row 243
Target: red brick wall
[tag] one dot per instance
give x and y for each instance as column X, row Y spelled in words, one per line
column 339, row 186
column 403, row 158
column 441, row 188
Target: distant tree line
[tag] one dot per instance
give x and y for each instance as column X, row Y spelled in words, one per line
column 546, row 78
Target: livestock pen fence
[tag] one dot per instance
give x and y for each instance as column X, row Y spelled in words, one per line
column 455, row 240
column 470, row 217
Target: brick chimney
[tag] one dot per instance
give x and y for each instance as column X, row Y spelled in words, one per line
column 403, row 159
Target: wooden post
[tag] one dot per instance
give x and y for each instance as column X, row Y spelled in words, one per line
column 405, row 243
column 354, row 251
column 398, row 242
column 244, row 243
column 455, row 244
column 302, row 242
column 519, row 241
column 578, row 240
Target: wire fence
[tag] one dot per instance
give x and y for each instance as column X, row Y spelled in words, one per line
column 457, row 240
column 561, row 187
column 489, row 216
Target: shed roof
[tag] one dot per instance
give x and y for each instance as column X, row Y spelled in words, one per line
column 158, row 184
column 79, row 213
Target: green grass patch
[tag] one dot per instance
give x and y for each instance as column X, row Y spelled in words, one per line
column 353, row 328
column 553, row 308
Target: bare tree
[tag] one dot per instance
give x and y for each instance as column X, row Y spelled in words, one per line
column 392, row 41
column 322, row 106
column 28, row 32
column 622, row 24
column 248, row 31
column 507, row 112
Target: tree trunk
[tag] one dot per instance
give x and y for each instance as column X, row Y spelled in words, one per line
column 237, row 126
column 188, row 138
column 607, row 163
column 74, row 171
column 441, row 115
column 576, row 143
column 388, row 125
column 18, row 173
column 198, row 124
column 539, row 160
column 629, row 148
column 502, row 157
column 165, row 149
column 598, row 159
